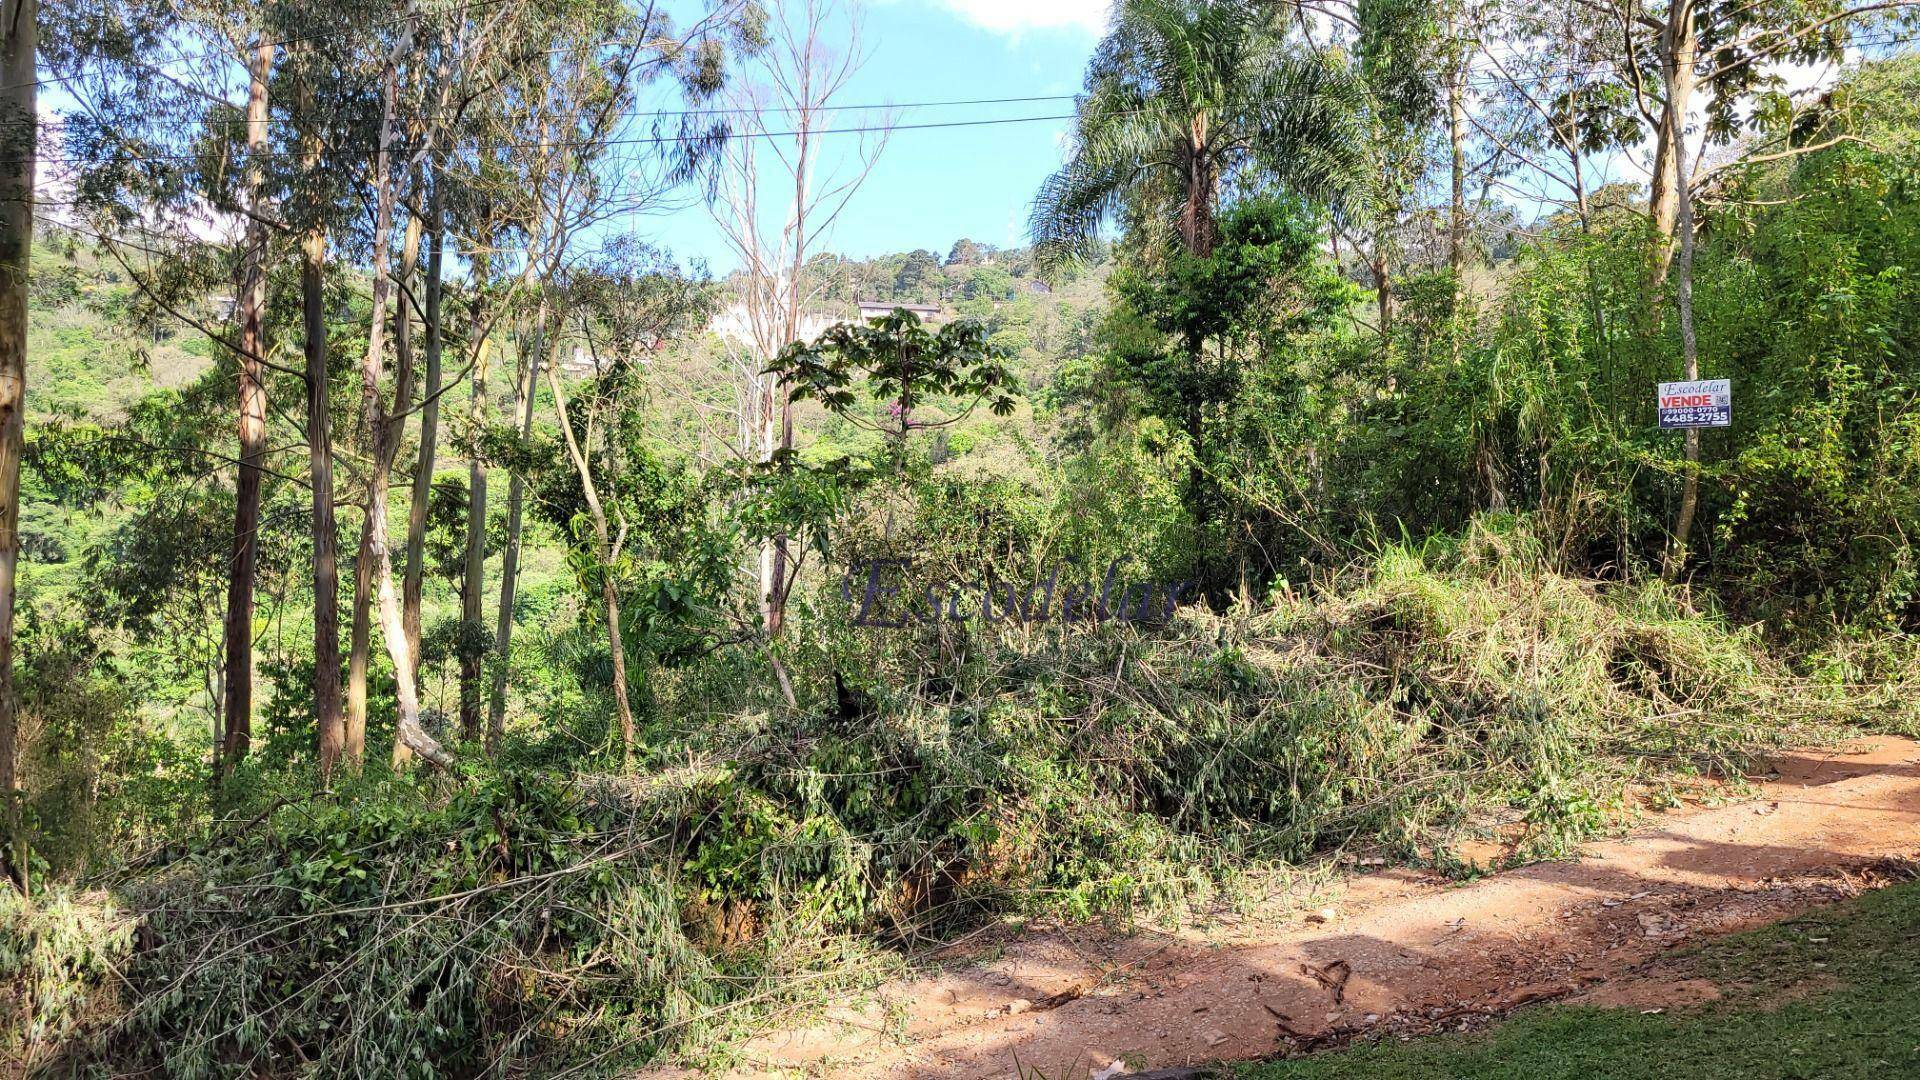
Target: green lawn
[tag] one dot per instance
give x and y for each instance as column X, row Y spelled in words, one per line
column 1835, row 994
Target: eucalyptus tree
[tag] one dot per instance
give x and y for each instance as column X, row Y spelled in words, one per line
column 534, row 194
column 1463, row 19
column 19, row 120
column 164, row 153
column 250, row 311
column 563, row 121
column 1401, row 53
column 334, row 71
column 470, row 61
column 543, row 197
column 329, row 84
column 164, row 146
column 327, row 92
column 1554, row 103
column 1719, row 61
column 450, row 75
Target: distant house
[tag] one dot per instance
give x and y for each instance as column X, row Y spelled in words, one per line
column 735, row 324
column 874, row 309
column 580, row 364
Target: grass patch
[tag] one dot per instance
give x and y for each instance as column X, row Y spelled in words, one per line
column 1828, row 995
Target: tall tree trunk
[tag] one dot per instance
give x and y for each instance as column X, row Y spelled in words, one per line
column 386, row 449
column 238, row 708
column 360, row 638
column 404, row 291
column 607, row 550
column 404, row 286
column 1457, row 218
column 413, row 587
column 776, row 413
column 1196, row 214
column 329, row 723
column 1382, row 288
column 19, row 23
column 773, row 550
column 1679, row 50
column 473, row 579
column 546, row 344
column 1676, row 556
column 392, row 625
column 1580, row 202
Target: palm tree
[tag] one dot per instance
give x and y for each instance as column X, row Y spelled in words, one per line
column 1183, row 99
column 1184, row 96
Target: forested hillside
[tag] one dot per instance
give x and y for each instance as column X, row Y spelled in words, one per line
column 455, row 634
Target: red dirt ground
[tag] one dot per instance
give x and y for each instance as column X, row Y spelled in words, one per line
column 1390, row 951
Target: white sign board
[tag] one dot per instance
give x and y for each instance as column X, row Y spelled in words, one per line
column 1702, row 404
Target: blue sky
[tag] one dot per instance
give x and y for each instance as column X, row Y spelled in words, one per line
column 933, row 187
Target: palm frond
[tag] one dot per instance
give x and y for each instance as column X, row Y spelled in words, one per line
column 1165, row 64
column 1305, row 125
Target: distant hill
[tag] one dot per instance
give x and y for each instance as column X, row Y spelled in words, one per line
column 83, row 360
column 87, row 359
column 1041, row 324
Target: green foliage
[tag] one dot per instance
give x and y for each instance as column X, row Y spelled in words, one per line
column 1812, row 302
column 672, row 577
column 100, row 776
column 1427, row 616
column 530, row 919
column 1536, row 393
column 1208, row 346
column 1179, row 96
column 58, row 956
column 902, row 366
column 406, row 932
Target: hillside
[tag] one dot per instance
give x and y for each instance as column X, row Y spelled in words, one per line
column 1316, row 619
column 94, row 350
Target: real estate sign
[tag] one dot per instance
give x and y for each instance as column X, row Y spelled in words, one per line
column 1701, row 404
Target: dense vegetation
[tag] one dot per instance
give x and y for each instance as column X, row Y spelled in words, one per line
column 582, row 656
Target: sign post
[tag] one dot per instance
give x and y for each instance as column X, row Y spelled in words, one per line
column 1703, row 403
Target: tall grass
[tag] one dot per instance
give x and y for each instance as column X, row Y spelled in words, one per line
column 542, row 919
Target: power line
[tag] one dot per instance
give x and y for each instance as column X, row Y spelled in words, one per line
column 1483, row 80
column 653, row 140
column 1570, row 72
column 784, row 110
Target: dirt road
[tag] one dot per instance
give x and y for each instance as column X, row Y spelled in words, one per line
column 1395, row 950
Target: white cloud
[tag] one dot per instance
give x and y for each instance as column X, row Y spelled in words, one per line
column 1018, row 16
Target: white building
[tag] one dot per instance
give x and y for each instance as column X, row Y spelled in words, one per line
column 874, row 309
column 735, row 325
